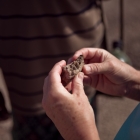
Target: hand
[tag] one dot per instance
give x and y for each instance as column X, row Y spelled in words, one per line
column 107, row 74
column 70, row 112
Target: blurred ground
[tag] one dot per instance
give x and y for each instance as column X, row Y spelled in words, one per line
column 112, row 112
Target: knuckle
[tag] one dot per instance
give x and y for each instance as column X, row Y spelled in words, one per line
column 95, row 68
column 111, row 65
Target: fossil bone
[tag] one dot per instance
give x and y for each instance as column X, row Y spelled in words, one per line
column 71, row 70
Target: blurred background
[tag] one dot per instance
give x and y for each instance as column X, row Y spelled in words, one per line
column 111, row 112
column 131, row 27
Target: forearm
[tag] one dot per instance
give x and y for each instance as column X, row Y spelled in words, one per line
column 75, row 124
column 82, row 127
column 133, row 87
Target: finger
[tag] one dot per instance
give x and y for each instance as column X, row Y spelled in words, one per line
column 53, row 81
column 83, row 52
column 77, row 84
column 96, row 68
column 56, row 72
column 54, row 75
column 88, row 53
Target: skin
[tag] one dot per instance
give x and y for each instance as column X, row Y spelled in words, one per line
column 109, row 75
column 71, row 112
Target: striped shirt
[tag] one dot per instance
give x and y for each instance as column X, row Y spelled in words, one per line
column 34, row 35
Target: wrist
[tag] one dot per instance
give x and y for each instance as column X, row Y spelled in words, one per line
column 80, row 128
column 133, row 87
column 89, row 133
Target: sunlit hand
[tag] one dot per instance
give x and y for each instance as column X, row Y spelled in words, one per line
column 106, row 73
column 70, row 112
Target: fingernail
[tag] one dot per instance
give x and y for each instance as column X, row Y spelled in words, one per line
column 87, row 68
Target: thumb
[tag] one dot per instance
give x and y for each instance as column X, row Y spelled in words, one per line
column 95, row 68
column 77, row 84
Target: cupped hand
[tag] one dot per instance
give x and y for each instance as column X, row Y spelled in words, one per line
column 105, row 72
column 70, row 112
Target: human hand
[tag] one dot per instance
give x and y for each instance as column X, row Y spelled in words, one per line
column 71, row 112
column 106, row 73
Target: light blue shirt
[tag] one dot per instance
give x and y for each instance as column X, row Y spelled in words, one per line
column 130, row 130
